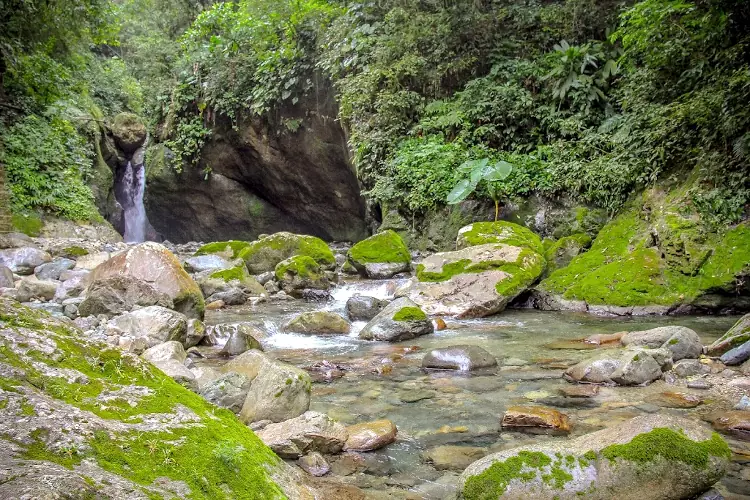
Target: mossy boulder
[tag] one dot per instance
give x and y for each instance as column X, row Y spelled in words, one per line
column 299, row 273
column 318, row 322
column 654, row 456
column 238, row 275
column 475, row 281
column 560, row 252
column 129, row 132
column 154, row 264
column 264, row 254
column 400, row 320
column 226, row 249
column 481, row 233
column 380, row 256
column 84, row 420
column 650, row 259
column 735, row 337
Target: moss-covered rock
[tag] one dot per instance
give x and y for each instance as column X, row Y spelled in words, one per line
column 651, row 256
column 227, row 249
column 318, row 322
column 264, row 254
column 299, row 273
column 475, row 281
column 400, row 320
column 154, row 264
column 380, row 256
column 481, row 233
column 102, row 423
column 646, row 457
column 129, row 132
column 735, row 337
column 240, row 275
column 559, row 253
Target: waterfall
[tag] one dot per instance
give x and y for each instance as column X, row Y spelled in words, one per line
column 129, row 193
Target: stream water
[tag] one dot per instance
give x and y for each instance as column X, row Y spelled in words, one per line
column 129, row 190
column 363, row 381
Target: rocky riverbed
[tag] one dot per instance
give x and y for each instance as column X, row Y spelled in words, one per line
column 349, row 380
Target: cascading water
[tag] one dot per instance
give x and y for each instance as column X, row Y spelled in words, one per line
column 129, row 193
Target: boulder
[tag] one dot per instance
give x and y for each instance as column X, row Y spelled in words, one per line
column 689, row 368
column 400, row 320
column 735, row 337
column 380, row 256
column 222, row 249
column 737, row 355
column 53, row 270
column 117, row 294
column 157, row 266
column 265, row 254
column 311, row 431
column 370, row 436
column 596, row 370
column 508, row 233
column 476, row 281
column 300, row 272
column 227, row 391
column 91, row 261
column 459, row 357
column 150, row 326
column 240, row 340
column 682, row 342
column 201, row 263
column 226, row 330
column 24, row 260
column 535, row 420
column 196, row 330
column 633, row 366
column 559, row 253
column 15, row 240
column 205, row 375
column 32, row 288
column 653, row 456
column 278, row 392
column 129, row 132
column 636, row 368
column 6, row 277
column 318, row 322
column 234, row 277
column 169, row 357
column 314, row 464
column 363, row 308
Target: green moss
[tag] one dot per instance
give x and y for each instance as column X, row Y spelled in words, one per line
column 236, row 273
column 590, row 455
column 669, row 445
column 27, row 409
column 190, row 454
column 673, row 341
column 500, row 232
column 299, row 265
column 492, row 483
column 29, row 224
column 264, row 254
column 74, row 251
column 38, row 450
column 380, row 248
column 232, row 246
column 409, row 314
column 3, row 404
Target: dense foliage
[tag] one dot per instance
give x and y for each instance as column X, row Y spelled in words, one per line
column 591, row 99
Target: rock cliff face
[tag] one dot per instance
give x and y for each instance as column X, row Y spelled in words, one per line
column 294, row 175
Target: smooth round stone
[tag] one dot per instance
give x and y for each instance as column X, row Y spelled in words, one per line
column 459, row 357
column 580, row 391
column 536, row 420
column 699, row 384
column 370, row 436
column 670, row 399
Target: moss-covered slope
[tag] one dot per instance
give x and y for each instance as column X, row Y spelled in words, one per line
column 108, row 424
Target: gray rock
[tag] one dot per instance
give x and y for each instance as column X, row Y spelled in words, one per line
column 737, row 355
column 31, row 288
column 196, row 330
column 459, row 357
column 113, row 295
column 264, row 278
column 681, row 341
column 271, row 287
column 6, row 277
column 311, row 431
column 169, row 357
column 699, row 384
column 279, row 391
column 24, row 260
column 314, row 464
column 209, row 262
column 318, row 322
column 636, row 368
column 363, row 308
column 15, row 240
column 396, row 323
column 689, row 368
column 153, row 325
column 591, row 474
column 743, row 404
column 227, row 391
column 595, row 370
column 71, row 288
column 240, row 340
column 53, row 270
column 233, row 296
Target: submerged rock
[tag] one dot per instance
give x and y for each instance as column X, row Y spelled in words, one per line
column 735, row 423
column 370, row 436
column 363, row 308
column 654, row 456
column 318, row 322
column 453, row 457
column 535, row 420
column 311, row 431
column 459, row 357
column 475, row 281
column 400, row 320
column 380, row 256
column 157, row 266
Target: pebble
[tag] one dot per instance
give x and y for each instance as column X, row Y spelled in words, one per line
column 699, row 384
column 743, row 404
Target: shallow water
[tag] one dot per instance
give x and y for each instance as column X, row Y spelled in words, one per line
column 365, row 381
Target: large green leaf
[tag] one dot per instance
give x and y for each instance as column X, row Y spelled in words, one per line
column 497, row 171
column 459, row 193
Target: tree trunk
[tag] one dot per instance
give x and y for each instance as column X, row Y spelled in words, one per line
column 5, row 218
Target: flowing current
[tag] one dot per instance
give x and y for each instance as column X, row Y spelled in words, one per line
column 131, row 188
